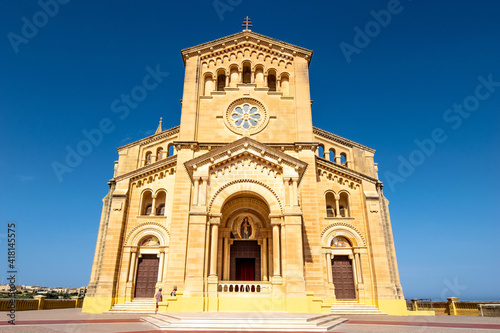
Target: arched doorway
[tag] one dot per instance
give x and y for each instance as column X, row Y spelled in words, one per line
column 342, row 271
column 147, row 268
column 246, row 235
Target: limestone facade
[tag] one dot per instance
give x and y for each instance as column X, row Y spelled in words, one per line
column 246, row 205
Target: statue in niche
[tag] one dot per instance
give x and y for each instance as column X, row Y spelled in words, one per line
column 246, row 229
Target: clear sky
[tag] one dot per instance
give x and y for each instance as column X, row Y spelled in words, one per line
column 390, row 76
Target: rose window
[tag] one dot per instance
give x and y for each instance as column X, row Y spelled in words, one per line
column 246, row 116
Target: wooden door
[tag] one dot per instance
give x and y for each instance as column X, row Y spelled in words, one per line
column 245, row 269
column 343, row 277
column 147, row 276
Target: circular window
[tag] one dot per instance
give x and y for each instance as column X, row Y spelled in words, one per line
column 246, row 116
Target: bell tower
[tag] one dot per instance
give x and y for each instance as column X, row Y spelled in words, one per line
column 246, row 85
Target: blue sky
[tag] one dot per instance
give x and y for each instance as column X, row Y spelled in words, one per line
column 397, row 87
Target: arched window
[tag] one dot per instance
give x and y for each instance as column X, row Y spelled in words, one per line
column 330, row 204
column 208, row 84
column 271, row 82
column 146, row 203
column 321, row 151
column 159, row 153
column 332, row 155
column 221, row 82
column 343, row 158
column 344, row 204
column 233, row 76
column 170, row 150
column 285, row 85
column 259, row 76
column 340, row 241
column 148, row 158
column 160, row 200
column 247, row 73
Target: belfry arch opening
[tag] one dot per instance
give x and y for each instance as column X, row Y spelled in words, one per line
column 246, row 254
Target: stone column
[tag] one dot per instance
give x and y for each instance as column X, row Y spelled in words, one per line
column 354, row 270
column 226, row 260
column 265, row 80
column 133, row 259
column 329, row 267
column 160, row 266
column 358, row 267
column 153, row 206
column 337, row 159
column 214, row 222
column 203, row 198
column 264, row 259
column 337, row 206
column 227, row 80
column 295, row 192
column 275, row 222
column 195, row 192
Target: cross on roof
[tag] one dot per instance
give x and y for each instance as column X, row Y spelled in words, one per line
column 247, row 23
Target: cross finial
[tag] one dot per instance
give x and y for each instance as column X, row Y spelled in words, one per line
column 247, row 23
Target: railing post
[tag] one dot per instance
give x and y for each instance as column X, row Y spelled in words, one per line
column 414, row 303
column 41, row 301
column 452, row 307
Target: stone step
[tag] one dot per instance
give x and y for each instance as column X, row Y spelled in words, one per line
column 353, row 307
column 238, row 322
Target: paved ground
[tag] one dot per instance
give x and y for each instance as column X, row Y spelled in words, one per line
column 73, row 320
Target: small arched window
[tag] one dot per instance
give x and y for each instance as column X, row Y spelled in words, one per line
column 221, row 82
column 285, row 85
column 160, row 211
column 148, row 158
column 271, row 82
column 159, row 154
column 330, row 204
column 146, row 203
column 321, row 151
column 160, row 201
column 171, row 150
column 208, row 84
column 343, row 158
column 344, row 204
column 247, row 73
column 332, row 155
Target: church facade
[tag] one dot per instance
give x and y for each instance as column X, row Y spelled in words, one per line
column 246, row 206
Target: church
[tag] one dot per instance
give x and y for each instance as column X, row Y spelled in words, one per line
column 245, row 206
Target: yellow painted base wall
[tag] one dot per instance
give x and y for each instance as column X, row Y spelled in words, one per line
column 251, row 304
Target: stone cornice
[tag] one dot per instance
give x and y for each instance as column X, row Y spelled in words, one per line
column 163, row 164
column 245, row 38
column 152, row 138
column 342, row 171
column 341, row 140
column 246, row 147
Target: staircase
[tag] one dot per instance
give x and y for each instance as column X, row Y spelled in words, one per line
column 354, row 308
column 245, row 321
column 138, row 305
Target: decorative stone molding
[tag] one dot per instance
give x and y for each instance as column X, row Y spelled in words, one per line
column 161, row 168
column 342, row 225
column 248, row 181
column 147, row 226
column 245, row 109
column 338, row 139
column 166, row 134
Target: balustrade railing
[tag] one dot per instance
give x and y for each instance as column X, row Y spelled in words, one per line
column 244, row 287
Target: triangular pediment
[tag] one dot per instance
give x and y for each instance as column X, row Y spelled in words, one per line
column 247, row 152
column 247, row 39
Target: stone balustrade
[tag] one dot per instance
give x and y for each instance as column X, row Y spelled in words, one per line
column 244, row 287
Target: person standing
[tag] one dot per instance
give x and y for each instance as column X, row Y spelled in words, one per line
column 159, row 298
column 174, row 292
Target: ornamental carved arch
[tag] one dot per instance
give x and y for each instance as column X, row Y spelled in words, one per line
column 346, row 230
column 145, row 229
column 250, row 186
